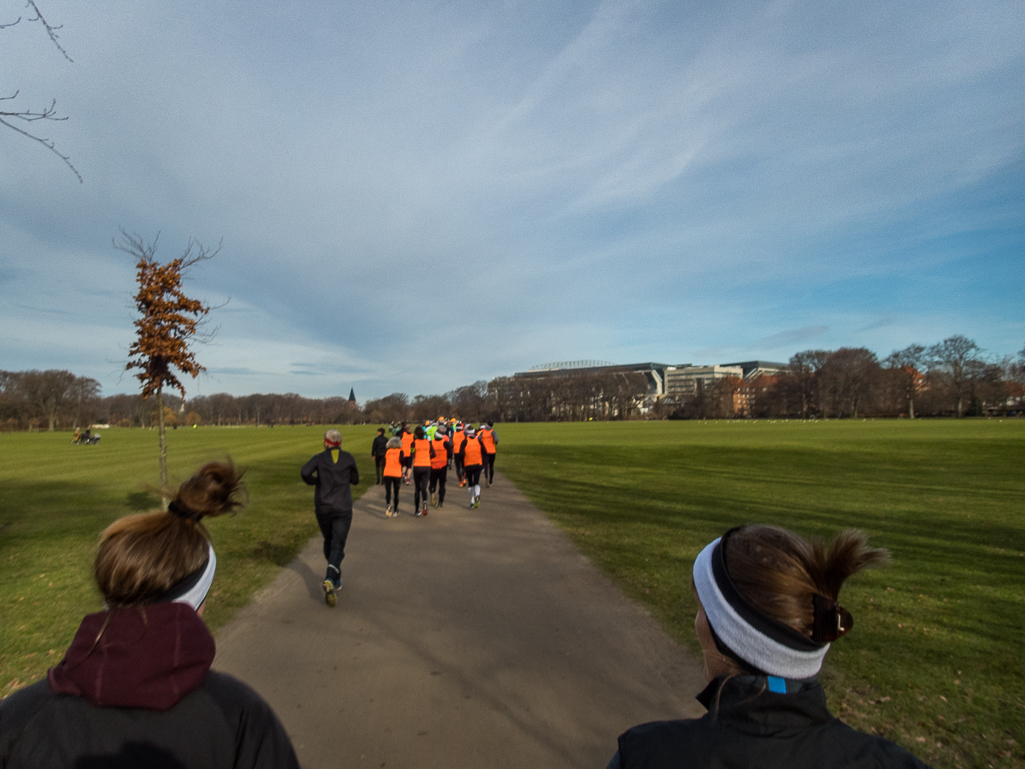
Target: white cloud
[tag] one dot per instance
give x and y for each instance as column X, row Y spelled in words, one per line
column 443, row 194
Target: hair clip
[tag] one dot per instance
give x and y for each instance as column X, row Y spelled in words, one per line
column 830, row 620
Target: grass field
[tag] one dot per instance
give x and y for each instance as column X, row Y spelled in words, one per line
column 56, row 498
column 934, row 661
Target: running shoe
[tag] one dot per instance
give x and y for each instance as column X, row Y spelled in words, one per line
column 434, row 499
column 330, row 594
column 476, row 503
column 387, row 511
column 424, row 511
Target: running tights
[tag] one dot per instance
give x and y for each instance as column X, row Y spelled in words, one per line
column 392, row 484
column 421, row 480
column 438, row 479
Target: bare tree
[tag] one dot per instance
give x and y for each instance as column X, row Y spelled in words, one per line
column 10, row 113
column 49, row 392
column 954, row 357
column 803, row 369
column 848, row 376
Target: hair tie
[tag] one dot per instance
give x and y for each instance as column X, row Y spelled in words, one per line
column 177, row 508
column 831, row 620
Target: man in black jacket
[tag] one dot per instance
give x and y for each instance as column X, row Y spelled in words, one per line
column 332, row 471
column 377, row 451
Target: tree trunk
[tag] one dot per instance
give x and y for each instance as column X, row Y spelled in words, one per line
column 163, row 448
column 911, row 406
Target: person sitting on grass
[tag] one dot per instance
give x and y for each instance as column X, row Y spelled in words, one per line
column 135, row 687
column 767, row 613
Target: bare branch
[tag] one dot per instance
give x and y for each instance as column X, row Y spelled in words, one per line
column 50, row 112
column 133, row 245
column 46, row 143
column 50, row 29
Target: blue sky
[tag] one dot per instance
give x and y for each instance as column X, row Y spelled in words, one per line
column 414, row 196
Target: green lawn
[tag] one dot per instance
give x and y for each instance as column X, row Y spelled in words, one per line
column 56, row 498
column 935, row 661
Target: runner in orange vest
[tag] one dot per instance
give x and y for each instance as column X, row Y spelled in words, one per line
column 439, row 466
column 423, row 452
column 407, row 446
column 472, row 454
column 458, row 439
column 393, row 467
column 489, row 440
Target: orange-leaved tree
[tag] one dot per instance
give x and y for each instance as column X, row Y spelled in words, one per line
column 168, row 323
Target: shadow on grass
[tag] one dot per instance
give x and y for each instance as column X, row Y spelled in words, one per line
column 142, row 501
column 278, row 553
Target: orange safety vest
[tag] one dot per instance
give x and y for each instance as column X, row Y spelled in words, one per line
column 457, row 441
column 440, row 458
column 488, row 439
column 393, row 463
column 407, row 442
column 422, row 452
column 472, row 453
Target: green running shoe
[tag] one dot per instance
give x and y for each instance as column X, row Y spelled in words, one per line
column 330, row 595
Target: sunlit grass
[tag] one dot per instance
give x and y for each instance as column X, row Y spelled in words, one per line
column 936, row 658
column 56, row 498
column 934, row 661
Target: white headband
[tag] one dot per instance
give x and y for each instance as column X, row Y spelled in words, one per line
column 195, row 594
column 724, row 607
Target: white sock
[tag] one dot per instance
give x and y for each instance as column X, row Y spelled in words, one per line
column 476, row 491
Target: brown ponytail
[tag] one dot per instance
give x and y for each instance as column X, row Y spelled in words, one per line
column 140, row 557
column 779, row 572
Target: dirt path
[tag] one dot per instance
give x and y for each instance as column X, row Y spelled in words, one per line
column 469, row 638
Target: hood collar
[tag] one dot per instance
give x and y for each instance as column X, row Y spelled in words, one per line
column 142, row 657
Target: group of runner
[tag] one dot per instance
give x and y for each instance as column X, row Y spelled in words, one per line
column 424, row 456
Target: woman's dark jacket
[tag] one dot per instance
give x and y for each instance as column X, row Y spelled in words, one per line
column 747, row 725
column 143, row 695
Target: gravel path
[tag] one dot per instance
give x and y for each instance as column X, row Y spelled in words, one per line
column 469, row 638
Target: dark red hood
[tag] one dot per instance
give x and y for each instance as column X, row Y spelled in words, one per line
column 147, row 657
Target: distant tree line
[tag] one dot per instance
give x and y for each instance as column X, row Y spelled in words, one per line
column 562, row 396
column 951, row 378
column 38, row 399
column 48, row 400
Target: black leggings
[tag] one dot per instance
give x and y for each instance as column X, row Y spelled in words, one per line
column 472, row 475
column 335, row 528
column 438, row 478
column 489, row 467
column 421, row 479
column 389, row 484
